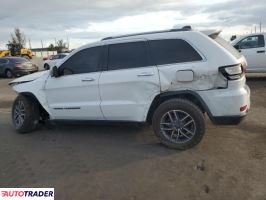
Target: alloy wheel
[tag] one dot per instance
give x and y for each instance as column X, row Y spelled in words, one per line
column 178, row 126
column 19, row 114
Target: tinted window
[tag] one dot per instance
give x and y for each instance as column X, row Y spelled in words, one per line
column 255, row 41
column 127, row 55
column 62, row 56
column 84, row 61
column 173, row 51
column 19, row 60
column 3, row 61
column 55, row 57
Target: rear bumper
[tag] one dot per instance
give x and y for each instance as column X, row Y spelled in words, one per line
column 228, row 120
column 228, row 106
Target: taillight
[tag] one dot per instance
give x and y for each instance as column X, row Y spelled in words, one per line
column 18, row 64
column 232, row 72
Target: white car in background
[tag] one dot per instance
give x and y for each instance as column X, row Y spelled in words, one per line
column 53, row 60
column 253, row 48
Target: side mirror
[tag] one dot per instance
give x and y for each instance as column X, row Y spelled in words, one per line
column 54, row 72
column 237, row 46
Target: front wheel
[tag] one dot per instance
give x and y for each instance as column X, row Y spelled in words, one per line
column 25, row 114
column 179, row 124
column 8, row 74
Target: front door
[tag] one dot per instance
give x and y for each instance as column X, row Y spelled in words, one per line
column 75, row 93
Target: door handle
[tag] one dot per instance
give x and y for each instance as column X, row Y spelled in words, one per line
column 87, row 79
column 261, row 51
column 146, row 74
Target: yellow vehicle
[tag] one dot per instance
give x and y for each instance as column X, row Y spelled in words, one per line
column 24, row 52
column 4, row 53
column 16, row 50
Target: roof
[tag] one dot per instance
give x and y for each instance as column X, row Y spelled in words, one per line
column 185, row 28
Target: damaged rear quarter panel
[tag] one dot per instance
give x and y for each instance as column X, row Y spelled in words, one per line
column 203, row 79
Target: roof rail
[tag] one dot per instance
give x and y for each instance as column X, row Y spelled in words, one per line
column 185, row 28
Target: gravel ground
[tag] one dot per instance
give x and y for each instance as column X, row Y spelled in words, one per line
column 125, row 162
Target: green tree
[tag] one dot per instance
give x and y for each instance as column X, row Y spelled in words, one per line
column 17, row 39
column 51, row 47
column 60, row 44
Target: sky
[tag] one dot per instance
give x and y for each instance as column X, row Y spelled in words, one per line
column 85, row 21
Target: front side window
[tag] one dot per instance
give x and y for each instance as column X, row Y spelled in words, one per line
column 173, row 51
column 84, row 61
column 255, row 41
column 127, row 55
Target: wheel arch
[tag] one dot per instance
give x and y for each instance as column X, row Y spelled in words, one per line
column 192, row 96
column 7, row 69
column 43, row 111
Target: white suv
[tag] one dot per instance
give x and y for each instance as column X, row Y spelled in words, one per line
column 253, row 48
column 168, row 79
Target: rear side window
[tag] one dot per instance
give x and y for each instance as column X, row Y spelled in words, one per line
column 19, row 60
column 173, row 51
column 84, row 61
column 127, row 55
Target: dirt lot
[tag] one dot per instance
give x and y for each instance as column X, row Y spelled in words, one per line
column 123, row 162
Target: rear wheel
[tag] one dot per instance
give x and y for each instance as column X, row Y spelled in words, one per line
column 46, row 67
column 8, row 73
column 25, row 114
column 179, row 124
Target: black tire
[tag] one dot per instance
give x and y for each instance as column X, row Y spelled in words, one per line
column 180, row 106
column 31, row 114
column 9, row 74
column 46, row 67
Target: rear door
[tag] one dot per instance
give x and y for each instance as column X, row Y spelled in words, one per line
column 130, row 82
column 75, row 93
column 253, row 48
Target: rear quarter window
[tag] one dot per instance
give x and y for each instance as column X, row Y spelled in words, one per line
column 172, row 51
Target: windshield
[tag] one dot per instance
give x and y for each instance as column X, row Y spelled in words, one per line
column 227, row 46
